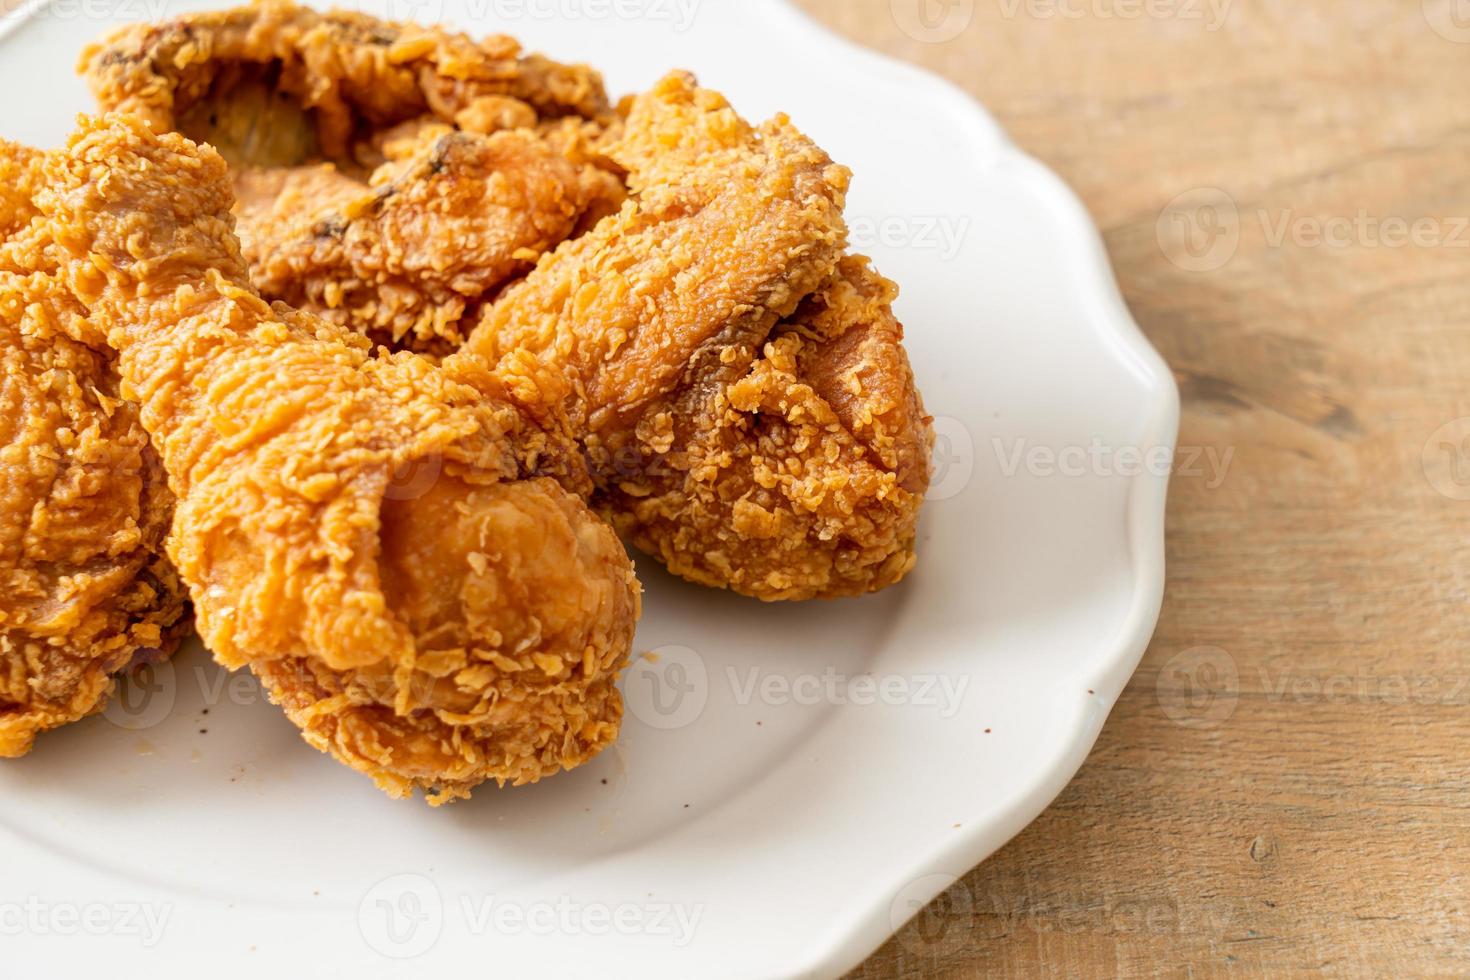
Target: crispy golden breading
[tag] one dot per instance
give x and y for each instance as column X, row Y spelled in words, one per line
column 659, row 311
column 339, row 73
column 485, row 158
column 85, row 589
column 383, row 543
column 20, row 171
column 400, row 261
column 747, row 407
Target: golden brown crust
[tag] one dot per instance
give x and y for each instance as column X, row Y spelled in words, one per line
column 659, row 311
column 350, row 71
column 804, row 477
column 482, row 645
column 391, row 178
column 85, row 589
column 20, row 172
column 850, row 352
column 747, row 407
column 402, row 260
column 731, row 227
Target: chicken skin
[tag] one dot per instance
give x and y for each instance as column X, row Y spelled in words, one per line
column 739, row 384
column 391, row 548
column 85, row 589
column 337, row 74
column 744, row 400
column 390, row 177
column 402, row 260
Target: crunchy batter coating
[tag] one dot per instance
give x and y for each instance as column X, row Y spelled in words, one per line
column 745, row 402
column 383, row 543
column 485, row 158
column 402, row 260
column 662, row 312
column 85, row 589
column 342, row 74
column 20, row 171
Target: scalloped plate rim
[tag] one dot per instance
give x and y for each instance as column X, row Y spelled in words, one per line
column 866, row 929
column 862, row 927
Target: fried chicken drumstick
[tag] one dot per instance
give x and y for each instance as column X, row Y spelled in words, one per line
column 746, row 405
column 85, row 589
column 381, row 543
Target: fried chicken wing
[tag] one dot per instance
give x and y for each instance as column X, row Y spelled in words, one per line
column 745, row 402
column 393, row 551
column 400, row 261
column 335, row 75
column 85, row 589
column 445, row 167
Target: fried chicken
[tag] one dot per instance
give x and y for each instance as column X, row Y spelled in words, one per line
column 85, row 589
column 336, row 74
column 393, row 551
column 20, row 168
column 443, row 167
column 402, row 260
column 745, row 402
column 740, row 385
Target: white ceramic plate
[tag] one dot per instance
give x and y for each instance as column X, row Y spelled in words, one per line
column 793, row 782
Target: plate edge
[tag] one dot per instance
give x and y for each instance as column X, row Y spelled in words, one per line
column 849, row 947
column 28, row 9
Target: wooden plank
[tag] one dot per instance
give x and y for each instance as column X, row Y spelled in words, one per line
column 1315, row 816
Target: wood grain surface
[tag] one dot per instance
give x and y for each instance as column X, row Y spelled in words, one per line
column 1284, row 187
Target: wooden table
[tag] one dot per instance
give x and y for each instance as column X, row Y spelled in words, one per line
column 1282, row 789
column 1315, row 815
